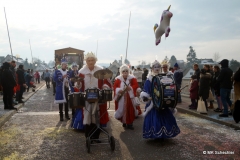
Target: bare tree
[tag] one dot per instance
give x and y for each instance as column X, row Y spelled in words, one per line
column 216, row 56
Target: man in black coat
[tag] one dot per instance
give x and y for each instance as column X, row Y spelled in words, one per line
column 197, row 71
column 225, row 80
column 8, row 83
column 204, row 87
column 21, row 83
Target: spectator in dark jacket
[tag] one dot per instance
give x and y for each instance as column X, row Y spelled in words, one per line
column 144, row 76
column 1, row 70
column 12, row 68
column 204, row 86
column 178, row 75
column 216, row 87
column 21, row 83
column 8, row 83
column 236, row 80
column 197, row 71
column 28, row 78
column 209, row 70
column 225, row 80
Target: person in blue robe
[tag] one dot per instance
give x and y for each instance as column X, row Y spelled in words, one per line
column 157, row 124
column 61, row 77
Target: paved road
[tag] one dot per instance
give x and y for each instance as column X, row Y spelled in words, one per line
column 36, row 133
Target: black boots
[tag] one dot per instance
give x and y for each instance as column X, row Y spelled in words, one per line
column 61, row 116
column 66, row 116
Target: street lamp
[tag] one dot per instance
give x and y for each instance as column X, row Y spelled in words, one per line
column 35, row 66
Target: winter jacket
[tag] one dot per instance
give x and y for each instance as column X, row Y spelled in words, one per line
column 215, row 83
column 20, row 74
column 225, row 76
column 204, row 86
column 7, row 79
column 194, row 89
column 144, row 75
column 178, row 75
column 197, row 73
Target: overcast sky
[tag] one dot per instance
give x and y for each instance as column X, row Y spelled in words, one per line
column 209, row 26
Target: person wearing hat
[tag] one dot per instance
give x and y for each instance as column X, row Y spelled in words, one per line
column 178, row 75
column 157, row 124
column 225, row 80
column 125, row 88
column 89, row 81
column 61, row 77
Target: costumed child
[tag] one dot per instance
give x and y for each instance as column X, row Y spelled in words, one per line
column 193, row 92
column 157, row 124
column 77, row 121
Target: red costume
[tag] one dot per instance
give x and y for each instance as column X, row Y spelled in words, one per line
column 125, row 108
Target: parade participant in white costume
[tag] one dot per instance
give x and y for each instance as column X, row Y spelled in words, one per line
column 62, row 88
column 87, row 73
column 125, row 86
column 157, row 124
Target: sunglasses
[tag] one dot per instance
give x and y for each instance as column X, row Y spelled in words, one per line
column 125, row 71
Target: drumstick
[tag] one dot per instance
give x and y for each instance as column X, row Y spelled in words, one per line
column 184, row 87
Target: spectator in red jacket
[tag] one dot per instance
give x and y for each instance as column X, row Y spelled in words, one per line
column 37, row 77
column 194, row 92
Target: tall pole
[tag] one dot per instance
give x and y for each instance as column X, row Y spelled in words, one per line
column 31, row 51
column 128, row 35
column 97, row 48
column 8, row 34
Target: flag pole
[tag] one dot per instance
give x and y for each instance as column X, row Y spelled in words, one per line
column 8, row 34
column 128, row 35
column 31, row 51
column 97, row 48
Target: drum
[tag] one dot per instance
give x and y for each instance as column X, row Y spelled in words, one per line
column 107, row 94
column 164, row 92
column 76, row 100
column 82, row 100
column 92, row 95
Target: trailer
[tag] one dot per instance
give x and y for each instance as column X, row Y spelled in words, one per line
column 71, row 54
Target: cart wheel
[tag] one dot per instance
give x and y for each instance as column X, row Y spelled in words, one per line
column 88, row 143
column 112, row 143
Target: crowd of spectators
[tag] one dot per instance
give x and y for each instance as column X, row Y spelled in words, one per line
column 215, row 82
column 14, row 82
